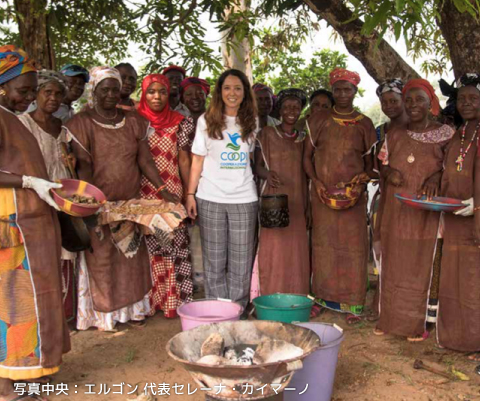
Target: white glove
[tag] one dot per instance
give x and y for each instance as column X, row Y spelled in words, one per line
column 42, row 188
column 466, row 211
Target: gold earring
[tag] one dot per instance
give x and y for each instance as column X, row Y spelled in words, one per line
column 2, row 92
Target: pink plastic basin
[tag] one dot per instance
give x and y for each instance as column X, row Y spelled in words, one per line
column 196, row 313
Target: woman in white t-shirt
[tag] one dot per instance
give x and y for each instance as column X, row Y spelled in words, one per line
column 226, row 199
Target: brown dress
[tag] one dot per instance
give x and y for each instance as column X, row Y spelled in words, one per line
column 408, row 235
column 283, row 258
column 40, row 234
column 115, row 280
column 458, row 324
column 340, row 237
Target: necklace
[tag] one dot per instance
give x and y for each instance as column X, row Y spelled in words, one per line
column 292, row 135
column 462, row 155
column 411, row 157
column 105, row 117
column 342, row 114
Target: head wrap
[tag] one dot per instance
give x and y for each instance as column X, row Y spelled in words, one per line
column 469, row 79
column 158, row 119
column 341, row 74
column 390, row 85
column 97, row 75
column 324, row 92
column 261, row 87
column 47, row 76
column 175, row 68
column 292, row 92
column 187, row 82
column 14, row 62
column 424, row 85
column 72, row 70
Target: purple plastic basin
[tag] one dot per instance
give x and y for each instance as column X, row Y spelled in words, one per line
column 196, row 313
column 318, row 368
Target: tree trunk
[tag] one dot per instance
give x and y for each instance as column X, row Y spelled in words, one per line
column 381, row 62
column 33, row 28
column 462, row 34
column 236, row 54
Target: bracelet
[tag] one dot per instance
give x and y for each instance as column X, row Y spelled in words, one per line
column 191, row 194
column 161, row 188
column 476, row 208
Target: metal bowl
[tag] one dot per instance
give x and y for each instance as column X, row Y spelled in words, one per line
column 185, row 348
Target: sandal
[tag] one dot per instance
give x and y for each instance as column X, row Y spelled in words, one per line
column 317, row 310
column 418, row 339
column 378, row 332
column 353, row 319
column 138, row 324
column 474, row 356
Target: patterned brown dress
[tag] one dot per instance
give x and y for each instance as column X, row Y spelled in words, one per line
column 171, row 266
column 283, row 258
column 340, row 238
column 458, row 324
column 408, row 235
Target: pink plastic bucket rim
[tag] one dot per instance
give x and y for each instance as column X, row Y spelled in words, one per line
column 233, row 315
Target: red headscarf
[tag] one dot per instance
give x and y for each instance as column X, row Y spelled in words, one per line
column 341, row 74
column 175, row 68
column 158, row 119
column 187, row 82
column 424, row 85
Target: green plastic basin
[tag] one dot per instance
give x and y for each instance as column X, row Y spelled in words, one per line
column 285, row 308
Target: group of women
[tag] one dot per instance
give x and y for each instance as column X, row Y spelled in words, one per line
column 217, row 161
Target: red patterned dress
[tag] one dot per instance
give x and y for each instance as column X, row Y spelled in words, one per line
column 171, row 266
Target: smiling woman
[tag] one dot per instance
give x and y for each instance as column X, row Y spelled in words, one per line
column 226, row 197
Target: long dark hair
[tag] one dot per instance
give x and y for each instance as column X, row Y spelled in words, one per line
column 247, row 114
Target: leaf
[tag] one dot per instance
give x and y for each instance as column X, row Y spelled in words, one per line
column 459, row 375
column 398, row 30
column 372, row 22
column 399, row 6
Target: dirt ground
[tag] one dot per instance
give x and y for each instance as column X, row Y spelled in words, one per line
column 369, row 367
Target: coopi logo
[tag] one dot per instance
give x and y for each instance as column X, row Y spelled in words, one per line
column 234, row 160
column 234, row 139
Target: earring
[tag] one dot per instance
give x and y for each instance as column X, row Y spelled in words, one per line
column 2, row 92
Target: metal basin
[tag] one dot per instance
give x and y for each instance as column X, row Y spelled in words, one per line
column 227, row 382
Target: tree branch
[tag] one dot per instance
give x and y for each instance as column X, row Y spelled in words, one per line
column 381, row 61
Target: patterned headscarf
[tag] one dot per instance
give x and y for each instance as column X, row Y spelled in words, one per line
column 14, row 62
column 390, row 85
column 187, row 82
column 469, row 79
column 158, row 119
column 341, row 74
column 261, row 87
column 175, row 68
column 424, row 85
column 47, row 76
column 292, row 92
column 97, row 75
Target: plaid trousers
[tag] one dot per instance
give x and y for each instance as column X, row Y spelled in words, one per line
column 228, row 244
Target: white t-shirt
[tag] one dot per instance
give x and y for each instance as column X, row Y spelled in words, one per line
column 227, row 173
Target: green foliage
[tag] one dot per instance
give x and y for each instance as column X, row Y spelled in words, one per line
column 416, row 21
column 283, row 66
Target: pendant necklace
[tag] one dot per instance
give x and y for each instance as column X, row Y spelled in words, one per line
column 411, row 157
column 462, row 155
